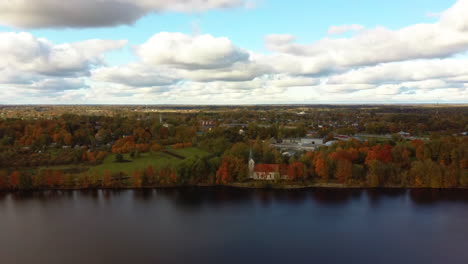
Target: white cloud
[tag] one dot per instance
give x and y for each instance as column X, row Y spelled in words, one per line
column 96, row 13
column 136, row 75
column 379, row 45
column 36, row 67
column 418, row 63
column 193, row 52
column 416, row 70
column 26, row 53
column 337, row 30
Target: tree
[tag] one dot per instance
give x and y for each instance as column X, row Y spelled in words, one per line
column 418, row 174
column 119, row 158
column 156, row 147
column 3, row 180
column 375, row 173
column 14, row 180
column 231, row 169
column 296, row 171
column 321, row 168
column 107, row 179
column 149, row 175
column 344, row 170
column 25, row 182
column 136, row 179
column 101, row 156
column 434, row 174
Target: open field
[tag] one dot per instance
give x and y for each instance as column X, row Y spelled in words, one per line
column 157, row 160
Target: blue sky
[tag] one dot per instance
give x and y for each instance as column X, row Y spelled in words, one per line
column 245, row 27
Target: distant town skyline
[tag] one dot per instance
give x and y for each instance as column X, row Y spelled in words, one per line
column 233, row 52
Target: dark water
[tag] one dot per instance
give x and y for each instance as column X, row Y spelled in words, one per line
column 213, row 225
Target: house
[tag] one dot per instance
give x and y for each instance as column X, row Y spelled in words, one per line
column 404, row 134
column 207, row 125
column 270, row 172
column 267, row 172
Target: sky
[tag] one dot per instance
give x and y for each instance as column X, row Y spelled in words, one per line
column 233, row 51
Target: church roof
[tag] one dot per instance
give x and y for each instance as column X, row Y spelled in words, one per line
column 268, row 168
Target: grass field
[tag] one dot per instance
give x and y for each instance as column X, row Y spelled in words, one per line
column 157, row 160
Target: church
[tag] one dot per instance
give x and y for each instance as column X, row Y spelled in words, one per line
column 267, row 172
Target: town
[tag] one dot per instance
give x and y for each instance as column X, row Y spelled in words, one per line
column 246, row 146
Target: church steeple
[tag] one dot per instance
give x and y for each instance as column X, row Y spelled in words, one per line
column 251, row 164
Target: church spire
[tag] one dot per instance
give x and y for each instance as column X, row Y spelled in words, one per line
column 251, row 154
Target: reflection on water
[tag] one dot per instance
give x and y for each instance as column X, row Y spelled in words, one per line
column 212, row 225
column 197, row 196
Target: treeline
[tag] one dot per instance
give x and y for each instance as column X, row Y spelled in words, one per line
column 436, row 163
column 192, row 171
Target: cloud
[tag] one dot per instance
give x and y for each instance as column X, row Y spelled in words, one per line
column 433, row 14
column 379, row 45
column 136, row 75
column 96, row 13
column 56, row 84
column 167, row 58
column 416, row 70
column 455, row 17
column 418, row 63
column 337, row 30
column 23, row 52
column 35, row 67
column 191, row 52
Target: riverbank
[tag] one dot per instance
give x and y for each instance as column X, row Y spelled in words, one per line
column 242, row 185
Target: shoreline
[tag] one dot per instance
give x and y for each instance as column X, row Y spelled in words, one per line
column 241, row 185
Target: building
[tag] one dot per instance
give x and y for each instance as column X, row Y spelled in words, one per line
column 267, row 172
column 207, row 125
column 404, row 134
column 312, row 141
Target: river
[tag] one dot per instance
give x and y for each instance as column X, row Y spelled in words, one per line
column 224, row 225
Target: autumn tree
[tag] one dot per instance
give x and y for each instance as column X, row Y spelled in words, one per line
column 296, row 171
column 107, row 179
column 136, row 179
column 231, row 169
column 3, row 180
column 344, row 170
column 321, row 168
column 14, row 179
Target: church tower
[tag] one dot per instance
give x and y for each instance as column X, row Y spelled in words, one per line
column 251, row 164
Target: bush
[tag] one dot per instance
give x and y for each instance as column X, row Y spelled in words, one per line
column 119, row 158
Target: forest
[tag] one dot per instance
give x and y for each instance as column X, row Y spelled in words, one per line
column 134, row 147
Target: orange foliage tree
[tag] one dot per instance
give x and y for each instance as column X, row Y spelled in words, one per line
column 296, row 171
column 344, row 170
column 124, row 145
column 107, row 179
column 14, row 179
column 3, row 180
column 321, row 168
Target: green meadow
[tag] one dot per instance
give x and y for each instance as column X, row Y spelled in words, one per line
column 157, row 160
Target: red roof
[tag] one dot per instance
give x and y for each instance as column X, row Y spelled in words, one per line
column 267, row 168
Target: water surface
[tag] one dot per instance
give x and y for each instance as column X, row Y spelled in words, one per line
column 222, row 225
